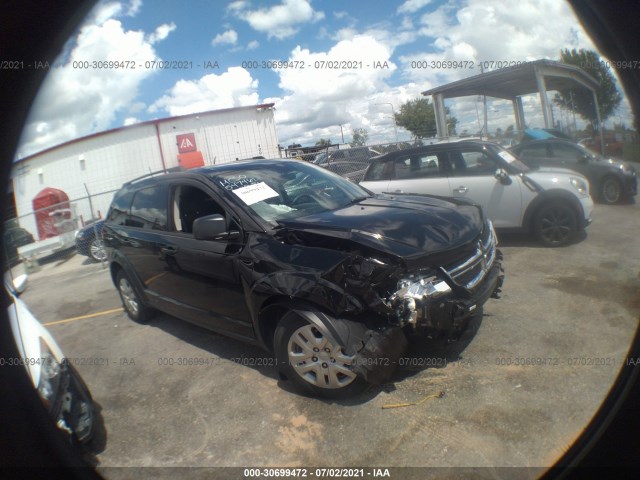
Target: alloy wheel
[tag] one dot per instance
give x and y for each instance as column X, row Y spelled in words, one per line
column 316, row 360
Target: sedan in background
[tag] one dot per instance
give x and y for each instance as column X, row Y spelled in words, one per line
column 89, row 241
column 611, row 181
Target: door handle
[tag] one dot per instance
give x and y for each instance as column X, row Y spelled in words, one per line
column 461, row 189
column 167, row 250
column 398, row 191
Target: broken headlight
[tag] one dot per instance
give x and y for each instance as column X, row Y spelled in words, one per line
column 412, row 290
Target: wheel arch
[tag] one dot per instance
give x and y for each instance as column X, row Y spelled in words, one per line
column 546, row 197
column 118, row 264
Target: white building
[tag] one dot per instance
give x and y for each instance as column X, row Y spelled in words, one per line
column 91, row 168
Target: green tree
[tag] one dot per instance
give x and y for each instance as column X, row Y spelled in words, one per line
column 418, row 117
column 360, row 136
column 580, row 100
column 323, row 143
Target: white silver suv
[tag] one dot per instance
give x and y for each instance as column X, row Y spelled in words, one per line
column 552, row 203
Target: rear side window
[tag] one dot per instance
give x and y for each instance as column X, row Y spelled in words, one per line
column 472, row 162
column 149, row 208
column 377, row 171
column 417, row 166
column 120, row 208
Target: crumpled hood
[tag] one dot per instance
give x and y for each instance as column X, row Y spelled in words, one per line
column 401, row 225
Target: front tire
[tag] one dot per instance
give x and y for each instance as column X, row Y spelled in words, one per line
column 611, row 190
column 555, row 224
column 311, row 361
column 131, row 302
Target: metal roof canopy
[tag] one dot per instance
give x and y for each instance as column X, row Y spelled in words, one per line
column 511, row 83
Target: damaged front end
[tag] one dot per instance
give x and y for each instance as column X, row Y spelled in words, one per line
column 378, row 286
column 437, row 302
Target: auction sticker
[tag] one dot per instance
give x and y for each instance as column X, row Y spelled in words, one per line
column 507, row 156
column 255, row 193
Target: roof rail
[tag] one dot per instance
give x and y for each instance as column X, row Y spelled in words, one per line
column 153, row 174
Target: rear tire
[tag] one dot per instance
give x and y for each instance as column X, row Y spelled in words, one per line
column 611, row 190
column 136, row 310
column 555, row 224
column 310, row 360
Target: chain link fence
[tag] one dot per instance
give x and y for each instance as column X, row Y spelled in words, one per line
column 56, row 231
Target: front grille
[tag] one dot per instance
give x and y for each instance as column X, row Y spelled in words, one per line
column 471, row 272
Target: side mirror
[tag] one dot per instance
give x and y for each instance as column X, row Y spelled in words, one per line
column 212, row 227
column 502, row 176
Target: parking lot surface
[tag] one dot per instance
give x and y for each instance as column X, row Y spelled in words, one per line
column 515, row 391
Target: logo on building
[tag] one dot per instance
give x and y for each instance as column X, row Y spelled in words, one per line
column 186, row 142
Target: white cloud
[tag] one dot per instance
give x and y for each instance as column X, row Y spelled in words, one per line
column 253, row 44
column 161, row 32
column 230, row 37
column 130, row 121
column 483, row 30
column 233, row 88
column 412, row 6
column 238, row 5
column 134, row 8
column 317, row 100
column 77, row 101
column 279, row 21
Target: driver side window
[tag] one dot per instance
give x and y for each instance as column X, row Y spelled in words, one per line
column 472, row 163
column 190, row 203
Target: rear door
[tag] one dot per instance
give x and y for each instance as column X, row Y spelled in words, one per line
column 472, row 176
column 423, row 173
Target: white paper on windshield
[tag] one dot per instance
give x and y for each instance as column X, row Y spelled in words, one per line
column 255, row 193
column 506, row 156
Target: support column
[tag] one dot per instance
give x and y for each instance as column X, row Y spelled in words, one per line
column 441, row 116
column 600, row 129
column 544, row 101
column 518, row 113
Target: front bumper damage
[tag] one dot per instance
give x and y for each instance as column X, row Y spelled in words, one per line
column 439, row 306
column 73, row 410
column 439, row 302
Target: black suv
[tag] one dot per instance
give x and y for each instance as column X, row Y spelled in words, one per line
column 302, row 262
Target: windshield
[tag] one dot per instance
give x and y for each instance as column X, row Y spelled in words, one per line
column 287, row 190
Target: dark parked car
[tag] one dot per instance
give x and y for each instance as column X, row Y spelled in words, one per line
column 89, row 241
column 611, row 181
column 350, row 163
column 12, row 239
column 302, row 262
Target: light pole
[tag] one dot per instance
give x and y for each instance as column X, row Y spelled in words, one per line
column 342, row 133
column 393, row 116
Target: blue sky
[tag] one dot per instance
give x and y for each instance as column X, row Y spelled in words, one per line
column 310, row 103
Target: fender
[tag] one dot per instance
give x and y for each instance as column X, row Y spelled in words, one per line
column 118, row 260
column 550, row 195
column 305, row 286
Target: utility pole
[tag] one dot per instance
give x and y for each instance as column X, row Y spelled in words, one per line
column 393, row 117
